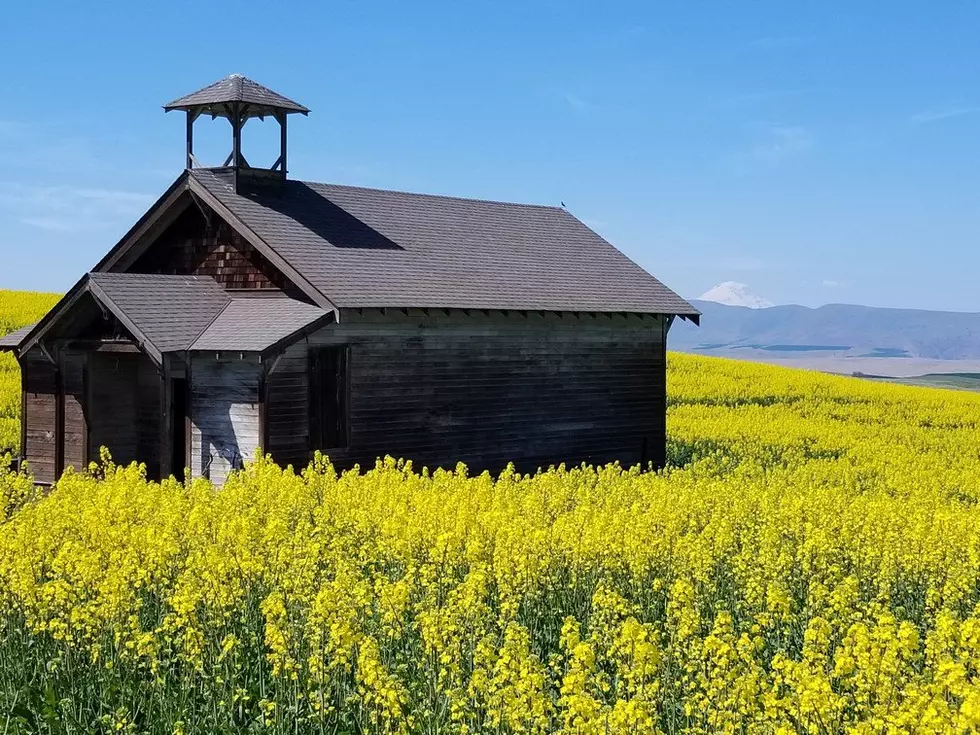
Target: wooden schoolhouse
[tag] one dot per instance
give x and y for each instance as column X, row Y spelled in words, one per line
column 248, row 310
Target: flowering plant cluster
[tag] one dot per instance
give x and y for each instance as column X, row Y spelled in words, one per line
column 808, row 562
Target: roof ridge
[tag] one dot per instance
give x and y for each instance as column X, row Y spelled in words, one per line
column 213, row 319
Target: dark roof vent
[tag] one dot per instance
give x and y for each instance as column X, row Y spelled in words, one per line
column 238, row 99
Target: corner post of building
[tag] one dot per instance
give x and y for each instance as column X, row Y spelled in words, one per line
column 23, row 409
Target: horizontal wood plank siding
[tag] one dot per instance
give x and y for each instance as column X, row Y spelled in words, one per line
column 124, row 408
column 485, row 390
column 224, row 415
column 287, row 408
column 149, row 416
column 39, row 378
column 75, row 435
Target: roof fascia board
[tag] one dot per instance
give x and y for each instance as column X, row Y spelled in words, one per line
column 261, row 245
column 162, row 212
column 55, row 314
column 694, row 316
column 131, row 327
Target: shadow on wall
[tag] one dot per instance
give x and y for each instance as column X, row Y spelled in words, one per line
column 222, row 430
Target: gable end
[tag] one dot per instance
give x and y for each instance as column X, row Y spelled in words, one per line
column 199, row 245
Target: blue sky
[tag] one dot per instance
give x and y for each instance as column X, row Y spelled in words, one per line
column 817, row 152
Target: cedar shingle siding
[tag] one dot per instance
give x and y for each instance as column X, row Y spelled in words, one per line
column 190, row 247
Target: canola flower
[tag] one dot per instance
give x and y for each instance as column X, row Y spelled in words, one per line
column 17, row 309
column 808, row 562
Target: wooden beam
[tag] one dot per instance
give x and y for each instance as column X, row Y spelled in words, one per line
column 263, row 411
column 282, row 143
column 190, row 140
column 98, row 345
column 236, row 135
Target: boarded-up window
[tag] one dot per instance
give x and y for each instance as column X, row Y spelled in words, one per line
column 329, row 397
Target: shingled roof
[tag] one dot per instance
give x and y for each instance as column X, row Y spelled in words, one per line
column 10, row 340
column 235, row 88
column 256, row 324
column 174, row 313
column 376, row 248
column 168, row 311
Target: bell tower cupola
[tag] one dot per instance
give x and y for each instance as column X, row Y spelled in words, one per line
column 239, row 99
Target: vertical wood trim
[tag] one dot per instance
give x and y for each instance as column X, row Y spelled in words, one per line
column 86, row 411
column 188, row 421
column 91, row 454
column 236, row 126
column 263, row 407
column 660, row 451
column 166, row 441
column 23, row 409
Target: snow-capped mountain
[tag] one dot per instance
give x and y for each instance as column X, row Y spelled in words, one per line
column 732, row 293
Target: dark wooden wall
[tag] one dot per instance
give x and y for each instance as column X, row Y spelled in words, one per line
column 74, row 422
column 287, row 418
column 40, row 406
column 194, row 246
column 485, row 390
column 124, row 411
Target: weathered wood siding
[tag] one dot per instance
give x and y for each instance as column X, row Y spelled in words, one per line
column 192, row 246
column 485, row 390
column 39, row 383
column 287, row 417
column 224, row 414
column 124, row 408
column 74, row 422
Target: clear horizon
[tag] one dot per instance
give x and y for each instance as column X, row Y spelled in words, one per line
column 818, row 154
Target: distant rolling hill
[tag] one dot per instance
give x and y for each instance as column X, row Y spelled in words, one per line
column 837, row 330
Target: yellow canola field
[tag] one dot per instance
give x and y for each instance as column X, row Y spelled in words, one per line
column 17, row 309
column 809, row 563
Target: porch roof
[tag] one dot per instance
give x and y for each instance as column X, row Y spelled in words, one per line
column 9, row 342
column 171, row 313
column 257, row 324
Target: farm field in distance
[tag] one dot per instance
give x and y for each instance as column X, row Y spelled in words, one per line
column 17, row 309
column 808, row 562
